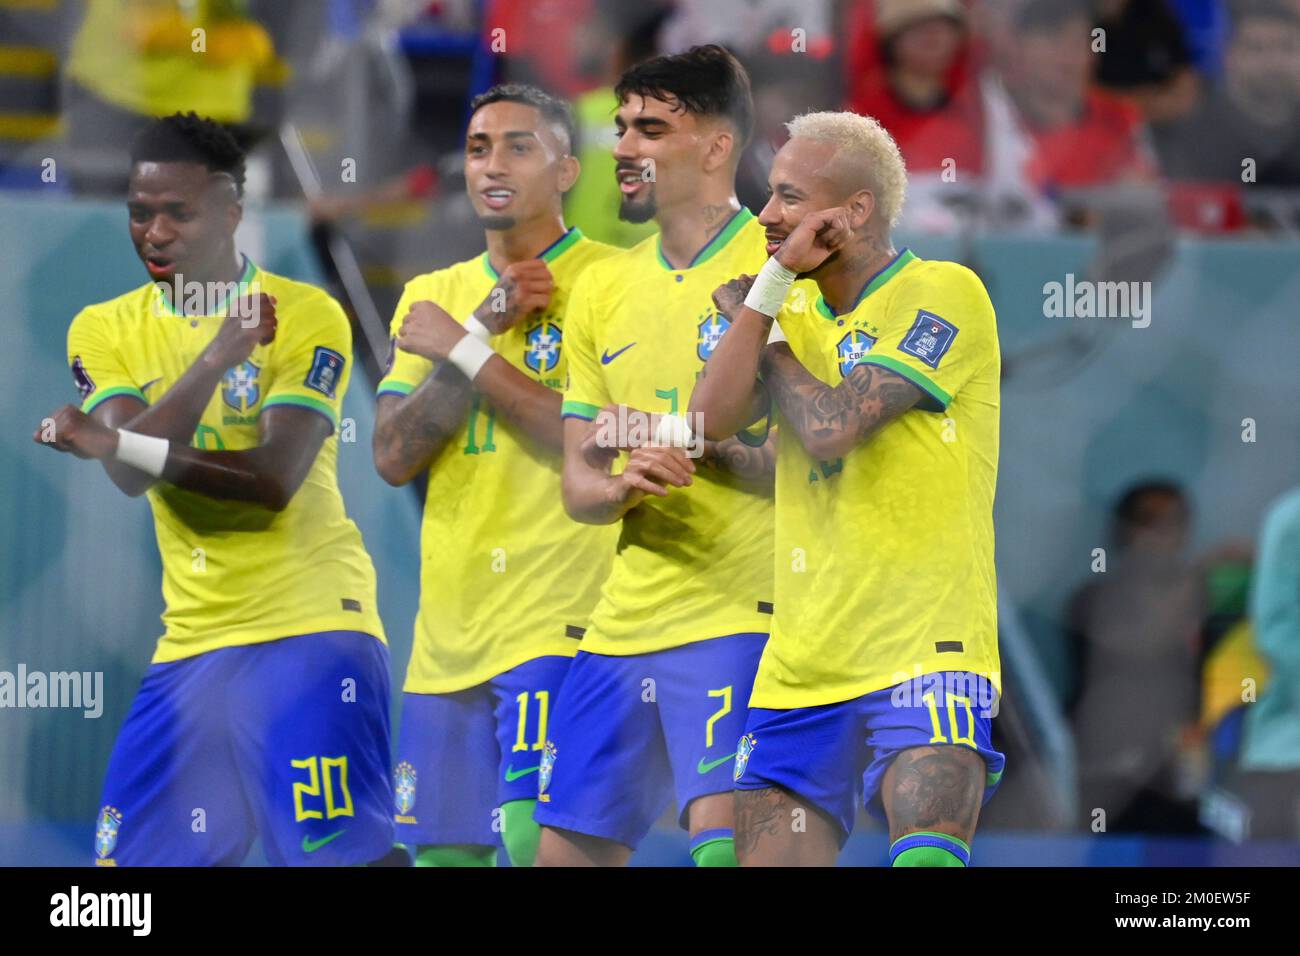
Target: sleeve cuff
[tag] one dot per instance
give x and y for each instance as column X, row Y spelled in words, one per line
column 99, row 398
column 394, row 387
column 583, row 410
column 303, row 401
column 937, row 396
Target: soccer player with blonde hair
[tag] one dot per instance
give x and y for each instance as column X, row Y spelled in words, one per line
column 881, row 674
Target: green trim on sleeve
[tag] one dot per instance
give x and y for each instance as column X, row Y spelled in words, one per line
column 573, row 409
column 919, row 379
column 303, row 401
column 95, row 400
column 394, row 387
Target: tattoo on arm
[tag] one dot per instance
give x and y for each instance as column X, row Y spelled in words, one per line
column 422, row 423
column 935, row 788
column 757, row 465
column 843, row 415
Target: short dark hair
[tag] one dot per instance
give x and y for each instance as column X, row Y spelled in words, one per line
column 1128, row 506
column 706, row 80
column 190, row 138
column 553, row 109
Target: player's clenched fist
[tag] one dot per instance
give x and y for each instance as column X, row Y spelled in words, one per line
column 814, row 239
column 428, row 331
column 650, row 471
column 71, row 429
column 524, row 288
column 730, row 296
column 249, row 322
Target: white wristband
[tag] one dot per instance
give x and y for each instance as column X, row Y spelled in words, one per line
column 770, row 286
column 477, row 329
column 145, row 452
column 776, row 335
column 469, row 355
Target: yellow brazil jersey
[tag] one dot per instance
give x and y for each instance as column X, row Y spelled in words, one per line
column 697, row 564
column 884, row 558
column 233, row 572
column 506, row 576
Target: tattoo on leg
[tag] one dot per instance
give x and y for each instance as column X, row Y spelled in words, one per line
column 759, row 813
column 933, row 786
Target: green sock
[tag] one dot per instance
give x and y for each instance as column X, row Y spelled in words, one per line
column 714, row 848
column 456, row 854
column 520, row 832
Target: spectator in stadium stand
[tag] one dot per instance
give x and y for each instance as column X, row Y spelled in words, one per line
column 1147, row 58
column 1076, row 134
column 1270, row 759
column 1134, row 631
column 1254, row 113
column 911, row 69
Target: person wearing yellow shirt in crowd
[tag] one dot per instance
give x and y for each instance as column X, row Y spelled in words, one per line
column 133, row 60
column 215, row 390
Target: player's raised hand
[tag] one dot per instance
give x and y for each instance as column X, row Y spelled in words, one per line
column 71, row 429
column 249, row 322
column 814, row 239
column 730, row 296
column 652, row 470
column 429, row 331
column 523, row 289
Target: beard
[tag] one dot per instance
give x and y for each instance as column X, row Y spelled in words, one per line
column 637, row 212
column 495, row 222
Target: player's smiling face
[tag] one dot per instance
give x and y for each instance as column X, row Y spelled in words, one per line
column 660, row 158
column 517, row 165
column 800, row 183
column 182, row 219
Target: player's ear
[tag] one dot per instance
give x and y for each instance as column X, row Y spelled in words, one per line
column 860, row 207
column 570, row 170
column 721, row 148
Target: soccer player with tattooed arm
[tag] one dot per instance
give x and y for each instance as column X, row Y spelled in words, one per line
column 880, row 678
column 470, row 405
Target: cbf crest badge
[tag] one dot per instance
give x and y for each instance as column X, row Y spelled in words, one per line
column 852, row 348
column 544, row 771
column 542, row 347
column 404, row 788
column 712, row 325
column 239, row 388
column 743, row 749
column 110, row 822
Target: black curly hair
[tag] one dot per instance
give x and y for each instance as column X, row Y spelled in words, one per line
column 190, row 138
column 705, row 80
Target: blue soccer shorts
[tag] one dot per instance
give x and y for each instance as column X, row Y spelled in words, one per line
column 462, row 756
column 633, row 732
column 835, row 755
column 286, row 739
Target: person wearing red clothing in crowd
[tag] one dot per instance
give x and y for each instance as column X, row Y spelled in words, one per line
column 911, row 67
column 1080, row 135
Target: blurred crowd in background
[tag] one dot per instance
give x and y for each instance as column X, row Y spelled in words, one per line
column 1014, row 116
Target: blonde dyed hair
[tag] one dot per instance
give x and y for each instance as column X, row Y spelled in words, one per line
column 865, row 153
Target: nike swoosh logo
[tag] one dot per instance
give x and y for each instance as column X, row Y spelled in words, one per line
column 703, row 767
column 311, row 846
column 512, row 774
column 606, row 358
column 148, row 385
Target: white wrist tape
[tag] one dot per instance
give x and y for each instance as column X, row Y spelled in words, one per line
column 776, row 335
column 673, row 431
column 469, row 355
column 145, row 452
column 770, row 286
column 477, row 329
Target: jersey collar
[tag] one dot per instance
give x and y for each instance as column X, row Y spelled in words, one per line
column 712, row 247
column 892, row 269
column 244, row 280
column 552, row 252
